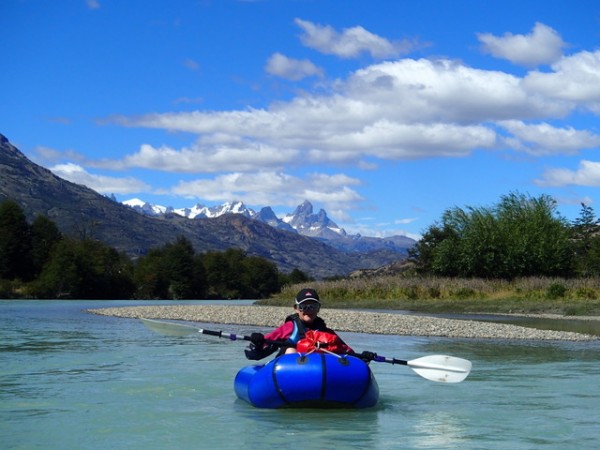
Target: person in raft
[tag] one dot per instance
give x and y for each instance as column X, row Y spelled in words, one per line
column 304, row 331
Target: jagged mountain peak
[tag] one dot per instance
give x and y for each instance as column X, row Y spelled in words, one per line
column 303, row 209
column 268, row 216
column 302, row 220
column 266, row 213
column 316, row 225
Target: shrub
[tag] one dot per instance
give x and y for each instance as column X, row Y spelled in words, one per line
column 555, row 291
column 586, row 293
column 464, row 293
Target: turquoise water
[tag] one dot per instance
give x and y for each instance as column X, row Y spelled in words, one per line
column 72, row 380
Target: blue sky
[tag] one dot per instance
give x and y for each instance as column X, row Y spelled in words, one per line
column 383, row 113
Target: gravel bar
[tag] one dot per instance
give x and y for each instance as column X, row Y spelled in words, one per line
column 345, row 320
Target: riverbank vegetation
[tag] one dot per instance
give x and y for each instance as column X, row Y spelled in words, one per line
column 575, row 296
column 517, row 256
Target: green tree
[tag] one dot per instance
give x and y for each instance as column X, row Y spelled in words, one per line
column 217, row 269
column 537, row 237
column 224, row 272
column 151, row 277
column 261, row 278
column 591, row 264
column 61, row 276
column 424, row 252
column 233, row 274
column 586, row 242
column 184, row 270
column 296, row 276
column 173, row 271
column 85, row 269
column 111, row 272
column 44, row 236
column 521, row 236
column 15, row 243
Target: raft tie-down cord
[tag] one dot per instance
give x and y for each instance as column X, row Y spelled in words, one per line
column 322, row 349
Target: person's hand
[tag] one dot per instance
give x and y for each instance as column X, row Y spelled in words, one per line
column 257, row 339
column 367, row 356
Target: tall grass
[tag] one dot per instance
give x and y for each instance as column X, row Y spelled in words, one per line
column 439, row 294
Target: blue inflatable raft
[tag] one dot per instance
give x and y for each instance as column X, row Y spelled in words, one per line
column 317, row 380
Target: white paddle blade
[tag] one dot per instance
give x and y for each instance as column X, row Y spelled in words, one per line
column 169, row 328
column 441, row 368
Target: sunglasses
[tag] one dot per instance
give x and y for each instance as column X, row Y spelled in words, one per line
column 310, row 307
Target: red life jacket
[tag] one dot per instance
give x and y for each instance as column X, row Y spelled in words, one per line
column 315, row 340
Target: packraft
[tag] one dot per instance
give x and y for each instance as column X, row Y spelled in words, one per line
column 315, row 380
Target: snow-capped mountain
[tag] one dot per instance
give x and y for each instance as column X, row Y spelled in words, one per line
column 210, row 212
column 146, row 208
column 267, row 216
column 302, row 220
column 305, row 222
column 196, row 211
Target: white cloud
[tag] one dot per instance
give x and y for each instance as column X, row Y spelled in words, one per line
column 574, row 79
column 544, row 139
column 440, row 90
column 255, row 122
column 93, row 4
column 588, row 174
column 291, row 69
column 270, row 188
column 542, row 46
column 213, row 158
column 103, row 184
column 405, row 109
column 380, row 230
column 400, row 141
column 351, row 42
column 405, row 221
column 48, row 156
column 398, row 110
column 191, row 64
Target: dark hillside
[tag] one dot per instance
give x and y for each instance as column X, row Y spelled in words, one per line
column 81, row 212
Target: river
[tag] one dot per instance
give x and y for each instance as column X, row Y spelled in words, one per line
column 73, row 380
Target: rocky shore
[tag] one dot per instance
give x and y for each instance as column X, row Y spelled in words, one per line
column 345, row 320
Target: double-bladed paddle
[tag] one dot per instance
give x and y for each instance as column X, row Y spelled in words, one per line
column 440, row 368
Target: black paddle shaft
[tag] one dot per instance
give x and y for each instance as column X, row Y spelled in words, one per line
column 235, row 337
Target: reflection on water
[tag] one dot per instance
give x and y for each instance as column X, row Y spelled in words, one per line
column 449, row 432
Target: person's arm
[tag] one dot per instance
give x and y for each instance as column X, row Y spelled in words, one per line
column 260, row 349
column 282, row 333
column 345, row 347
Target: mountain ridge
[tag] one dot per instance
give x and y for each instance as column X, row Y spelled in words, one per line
column 81, row 212
column 302, row 221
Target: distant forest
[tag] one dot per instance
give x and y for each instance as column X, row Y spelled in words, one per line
column 519, row 237
column 38, row 261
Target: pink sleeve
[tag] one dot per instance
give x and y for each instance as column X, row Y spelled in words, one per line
column 281, row 333
column 345, row 347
